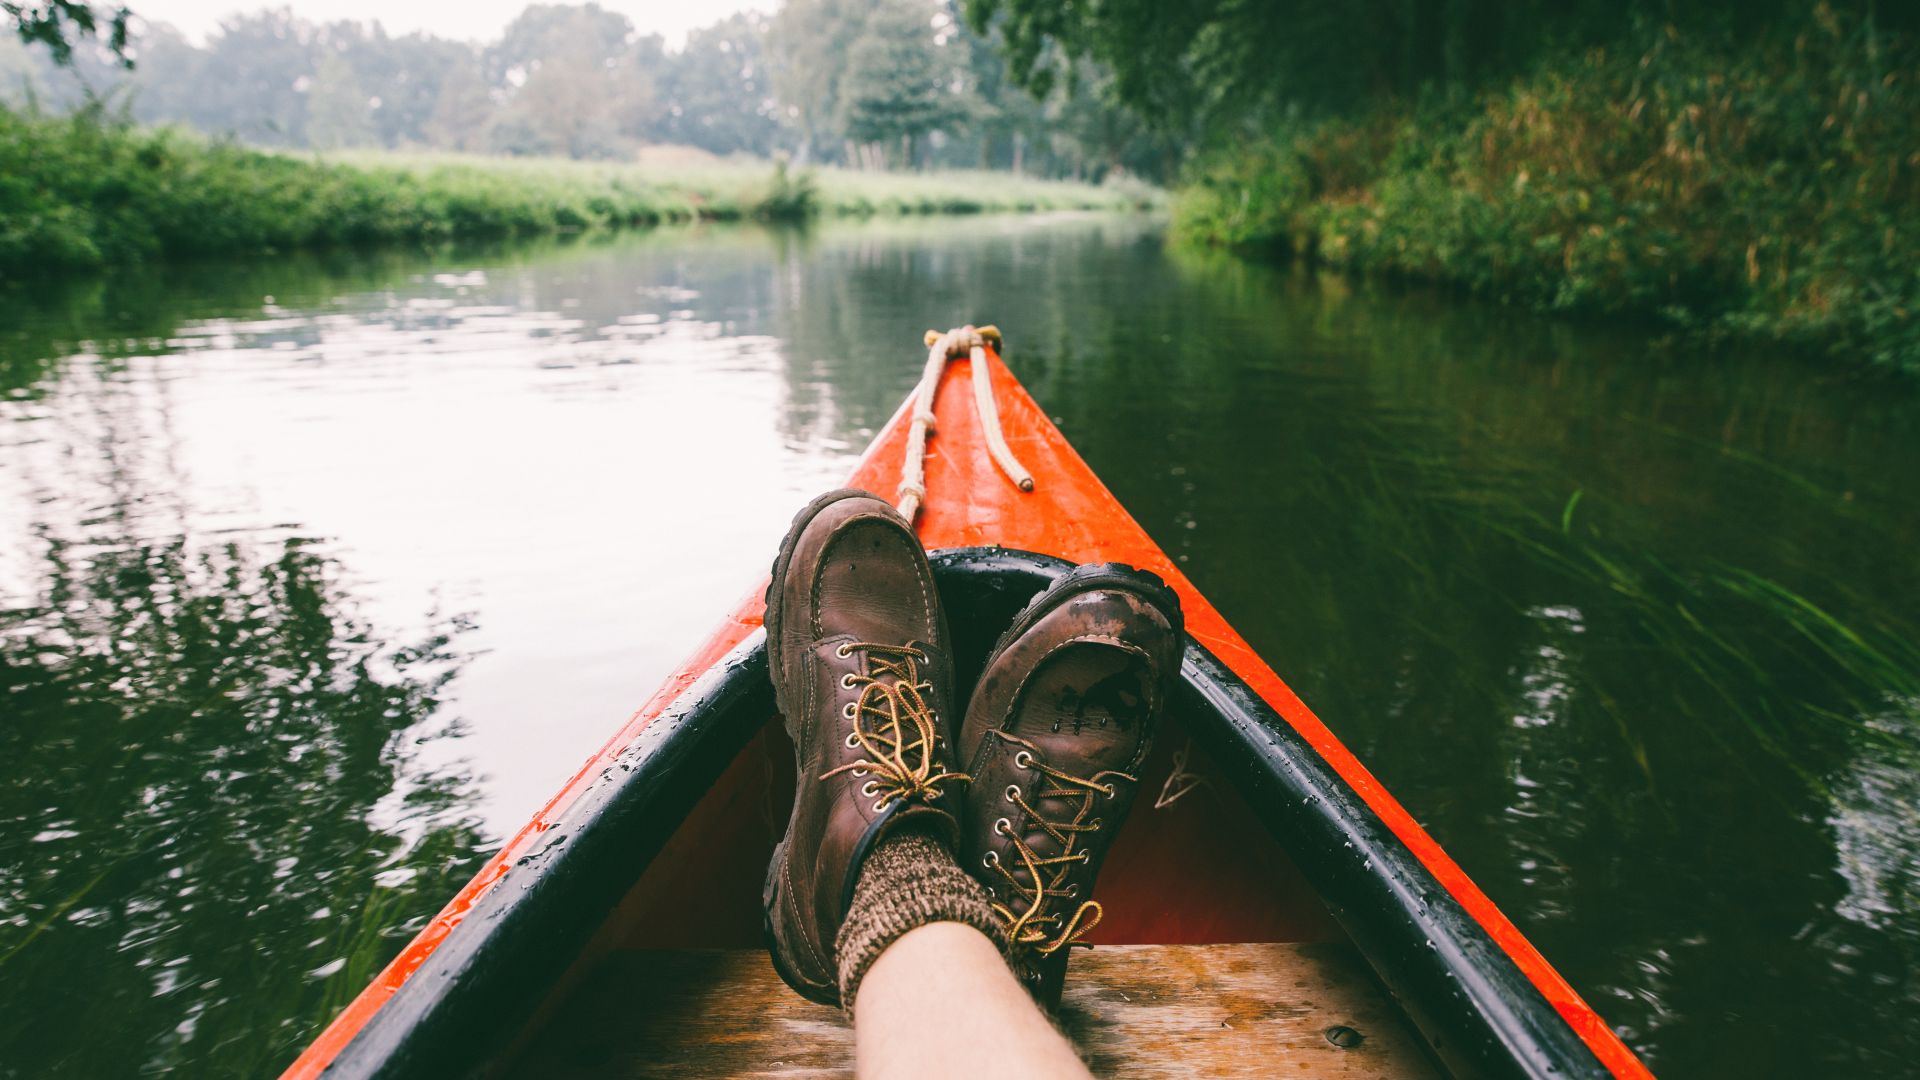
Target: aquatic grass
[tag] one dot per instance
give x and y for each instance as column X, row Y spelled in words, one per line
column 1684, row 611
column 1682, row 614
column 55, row 911
column 1732, row 642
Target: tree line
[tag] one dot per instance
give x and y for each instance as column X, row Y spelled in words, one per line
column 893, row 84
column 1216, row 70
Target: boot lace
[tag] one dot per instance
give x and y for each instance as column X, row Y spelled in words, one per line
column 894, row 726
column 1038, row 927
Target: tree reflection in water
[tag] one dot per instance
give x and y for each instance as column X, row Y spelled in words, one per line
column 213, row 783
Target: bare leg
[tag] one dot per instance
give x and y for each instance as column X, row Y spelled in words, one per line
column 940, row 1002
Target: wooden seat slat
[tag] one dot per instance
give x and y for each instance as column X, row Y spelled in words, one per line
column 1236, row 1010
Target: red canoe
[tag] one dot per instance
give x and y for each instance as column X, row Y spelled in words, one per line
column 661, row 840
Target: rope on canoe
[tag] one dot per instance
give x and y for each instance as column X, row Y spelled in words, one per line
column 972, row 343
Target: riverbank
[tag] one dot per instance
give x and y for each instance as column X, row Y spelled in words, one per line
column 78, row 192
column 1766, row 192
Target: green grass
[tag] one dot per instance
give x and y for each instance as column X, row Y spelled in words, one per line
column 86, row 191
column 721, row 189
column 844, row 191
column 1763, row 191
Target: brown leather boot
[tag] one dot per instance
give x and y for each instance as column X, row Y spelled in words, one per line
column 857, row 648
column 1057, row 729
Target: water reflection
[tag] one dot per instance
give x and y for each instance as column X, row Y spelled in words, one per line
column 1628, row 629
column 209, row 763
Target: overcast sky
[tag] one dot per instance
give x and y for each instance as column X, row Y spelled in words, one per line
column 472, row 20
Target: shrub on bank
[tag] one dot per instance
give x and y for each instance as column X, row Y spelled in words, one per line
column 1770, row 191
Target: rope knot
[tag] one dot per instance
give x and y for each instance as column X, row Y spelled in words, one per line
column 962, row 340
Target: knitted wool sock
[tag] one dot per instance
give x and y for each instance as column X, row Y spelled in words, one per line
column 909, row 880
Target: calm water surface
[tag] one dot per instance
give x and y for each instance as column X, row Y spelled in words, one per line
column 317, row 577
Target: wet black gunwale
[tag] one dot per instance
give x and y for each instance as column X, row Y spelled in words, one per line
column 1474, row 1006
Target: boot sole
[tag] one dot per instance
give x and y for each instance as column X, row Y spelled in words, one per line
column 1086, row 578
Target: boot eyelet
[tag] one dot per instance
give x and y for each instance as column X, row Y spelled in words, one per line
column 1109, row 789
column 1095, row 824
column 1003, row 827
column 870, row 788
column 1086, row 857
column 1072, row 893
column 848, row 710
column 852, row 741
column 846, row 681
column 1013, row 792
column 1023, row 760
column 991, row 860
column 858, row 773
column 843, row 652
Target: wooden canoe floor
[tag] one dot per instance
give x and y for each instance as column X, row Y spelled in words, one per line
column 1238, row 1010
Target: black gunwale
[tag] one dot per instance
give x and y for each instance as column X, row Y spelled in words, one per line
column 1476, row 1009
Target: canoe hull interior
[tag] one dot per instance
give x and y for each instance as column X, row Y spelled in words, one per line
column 1257, row 840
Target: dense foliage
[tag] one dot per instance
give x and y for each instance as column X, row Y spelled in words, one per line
column 90, row 190
column 1770, row 191
column 1223, row 67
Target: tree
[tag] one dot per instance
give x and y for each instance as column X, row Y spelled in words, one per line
column 20, row 83
column 566, row 88
column 402, row 77
column 337, row 108
column 1001, row 113
column 264, row 64
column 462, row 109
column 166, row 83
column 904, row 82
column 1228, row 62
column 717, row 94
column 899, row 85
column 809, row 40
column 57, row 24
column 1095, row 134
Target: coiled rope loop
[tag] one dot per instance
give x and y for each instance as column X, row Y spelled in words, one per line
column 970, row 342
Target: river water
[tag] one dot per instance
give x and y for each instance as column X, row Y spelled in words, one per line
column 318, row 575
